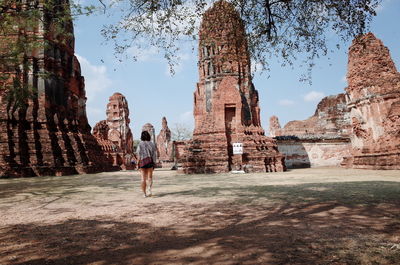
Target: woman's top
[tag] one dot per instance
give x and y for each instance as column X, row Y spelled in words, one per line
column 147, row 149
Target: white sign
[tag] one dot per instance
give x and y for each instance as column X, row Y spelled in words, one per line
column 237, row 148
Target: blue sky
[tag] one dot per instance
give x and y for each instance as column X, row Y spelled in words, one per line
column 152, row 92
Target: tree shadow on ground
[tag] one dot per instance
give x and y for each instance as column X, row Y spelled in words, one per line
column 366, row 192
column 336, row 223
column 64, row 186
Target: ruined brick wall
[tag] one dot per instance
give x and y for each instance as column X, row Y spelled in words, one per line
column 306, row 152
column 226, row 107
column 373, row 99
column 369, row 113
column 321, row 140
column 49, row 133
column 179, row 150
column 331, row 117
column 100, row 130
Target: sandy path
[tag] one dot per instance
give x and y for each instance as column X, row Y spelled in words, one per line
column 306, row 216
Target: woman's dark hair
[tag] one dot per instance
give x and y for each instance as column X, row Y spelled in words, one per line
column 145, row 136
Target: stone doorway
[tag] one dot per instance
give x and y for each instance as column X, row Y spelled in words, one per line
column 230, row 112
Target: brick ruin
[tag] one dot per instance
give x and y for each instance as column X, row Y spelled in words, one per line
column 179, row 151
column 226, row 109
column 114, row 134
column 331, row 118
column 368, row 114
column 274, row 126
column 165, row 145
column 321, row 140
column 49, row 133
column 150, row 129
column 374, row 103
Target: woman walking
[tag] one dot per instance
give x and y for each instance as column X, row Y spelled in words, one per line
column 147, row 155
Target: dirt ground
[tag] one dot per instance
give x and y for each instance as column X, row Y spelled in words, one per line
column 304, row 216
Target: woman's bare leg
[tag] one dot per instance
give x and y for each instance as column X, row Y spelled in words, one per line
column 143, row 172
column 150, row 180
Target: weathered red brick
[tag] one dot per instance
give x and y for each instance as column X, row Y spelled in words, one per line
column 321, row 140
column 374, row 104
column 226, row 109
column 331, row 118
column 49, row 134
column 114, row 134
column 165, row 145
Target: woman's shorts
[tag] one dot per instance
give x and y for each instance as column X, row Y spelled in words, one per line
column 151, row 165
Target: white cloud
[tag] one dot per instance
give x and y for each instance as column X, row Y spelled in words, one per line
column 184, row 56
column 179, row 66
column 344, row 79
column 313, row 96
column 256, row 67
column 186, row 116
column 286, row 102
column 142, row 54
column 96, row 79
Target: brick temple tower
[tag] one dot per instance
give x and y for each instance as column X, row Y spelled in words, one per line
column 118, row 123
column 46, row 133
column 114, row 134
column 150, row 129
column 226, row 109
column 374, row 104
column 165, row 145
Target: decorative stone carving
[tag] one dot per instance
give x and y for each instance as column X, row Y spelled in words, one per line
column 114, row 134
column 373, row 101
column 49, row 133
column 226, row 109
column 165, row 145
